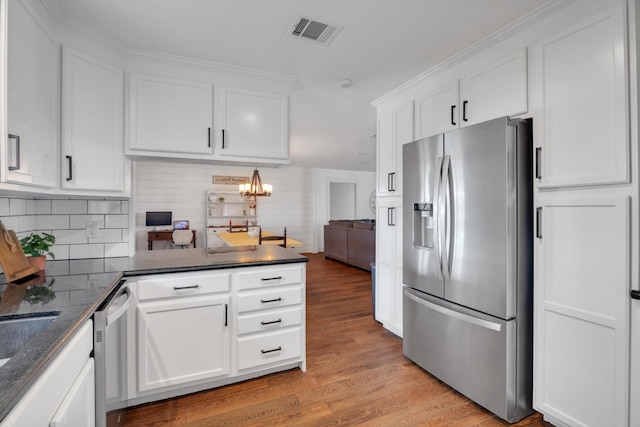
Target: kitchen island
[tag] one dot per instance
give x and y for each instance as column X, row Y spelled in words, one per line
column 75, row 289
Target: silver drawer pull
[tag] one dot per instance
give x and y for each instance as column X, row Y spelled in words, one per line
column 264, row 301
column 182, row 288
column 265, row 279
column 270, row 351
column 271, row 323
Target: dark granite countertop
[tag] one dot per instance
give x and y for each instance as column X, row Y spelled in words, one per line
column 73, row 289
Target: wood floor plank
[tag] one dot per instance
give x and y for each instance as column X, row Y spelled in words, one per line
column 356, row 375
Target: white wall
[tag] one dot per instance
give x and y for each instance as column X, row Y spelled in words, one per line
column 181, row 188
column 365, row 184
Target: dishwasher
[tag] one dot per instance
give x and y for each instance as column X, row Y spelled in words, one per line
column 110, row 354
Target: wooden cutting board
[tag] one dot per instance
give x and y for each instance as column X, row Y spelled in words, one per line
column 14, row 262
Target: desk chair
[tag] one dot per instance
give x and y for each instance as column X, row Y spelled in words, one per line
column 182, row 238
column 270, row 238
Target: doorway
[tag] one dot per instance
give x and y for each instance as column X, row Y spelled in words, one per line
column 342, row 200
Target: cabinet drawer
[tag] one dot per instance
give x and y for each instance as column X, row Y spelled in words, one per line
column 269, row 348
column 182, row 285
column 272, row 320
column 270, row 277
column 278, row 297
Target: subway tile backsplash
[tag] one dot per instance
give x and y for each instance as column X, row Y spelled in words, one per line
column 67, row 221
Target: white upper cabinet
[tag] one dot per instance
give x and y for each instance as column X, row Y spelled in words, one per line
column 252, row 125
column 92, row 130
column 496, row 90
column 436, row 111
column 169, row 117
column 395, row 128
column 30, row 152
column 484, row 92
column 582, row 132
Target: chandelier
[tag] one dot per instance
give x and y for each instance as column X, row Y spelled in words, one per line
column 255, row 187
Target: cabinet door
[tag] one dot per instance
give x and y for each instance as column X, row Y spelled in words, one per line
column 169, row 116
column 394, row 129
column 581, row 311
column 92, row 133
column 79, row 405
column 437, row 111
column 31, row 152
column 385, row 167
column 46, row 395
column 253, row 124
column 182, row 340
column 402, row 133
column 389, row 265
column 582, row 129
column 496, row 90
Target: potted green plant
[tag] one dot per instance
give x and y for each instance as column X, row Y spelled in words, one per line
column 37, row 247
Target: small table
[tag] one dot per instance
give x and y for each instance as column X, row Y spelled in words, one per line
column 242, row 238
column 163, row 235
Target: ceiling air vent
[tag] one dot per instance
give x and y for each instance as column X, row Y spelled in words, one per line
column 307, row 28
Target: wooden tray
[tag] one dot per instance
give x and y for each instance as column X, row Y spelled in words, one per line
column 14, row 262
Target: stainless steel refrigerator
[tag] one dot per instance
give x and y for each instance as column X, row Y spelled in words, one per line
column 468, row 262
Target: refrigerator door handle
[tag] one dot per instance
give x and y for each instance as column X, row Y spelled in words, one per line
column 437, row 186
column 451, row 313
column 445, row 221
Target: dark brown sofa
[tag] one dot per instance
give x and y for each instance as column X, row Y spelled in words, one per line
column 351, row 241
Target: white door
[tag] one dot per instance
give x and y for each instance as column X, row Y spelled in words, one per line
column 495, row 90
column 92, row 116
column 32, row 153
column 389, row 265
column 385, row 157
column 583, row 128
column 168, row 115
column 182, row 340
column 78, row 407
column 252, row 124
column 402, row 134
column 437, row 111
column 581, row 310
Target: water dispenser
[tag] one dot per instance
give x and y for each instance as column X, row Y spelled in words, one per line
column 423, row 224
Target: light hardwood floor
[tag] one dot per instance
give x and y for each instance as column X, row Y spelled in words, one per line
column 356, row 375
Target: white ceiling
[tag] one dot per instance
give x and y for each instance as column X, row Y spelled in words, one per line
column 383, row 44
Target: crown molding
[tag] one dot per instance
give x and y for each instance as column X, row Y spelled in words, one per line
column 57, row 14
column 525, row 21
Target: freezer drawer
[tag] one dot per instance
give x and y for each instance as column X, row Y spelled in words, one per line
column 474, row 353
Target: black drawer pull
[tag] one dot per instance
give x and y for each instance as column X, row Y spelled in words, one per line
column 270, row 351
column 271, row 323
column 264, row 301
column 180, row 288
column 70, row 163
column 266, row 279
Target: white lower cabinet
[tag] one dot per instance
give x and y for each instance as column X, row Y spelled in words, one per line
column 270, row 318
column 389, row 264
column 581, row 305
column 64, row 395
column 182, row 330
column 79, row 405
column 182, row 341
column 198, row 330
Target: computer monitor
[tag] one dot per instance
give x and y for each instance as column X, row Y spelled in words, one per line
column 155, row 219
column 181, row 224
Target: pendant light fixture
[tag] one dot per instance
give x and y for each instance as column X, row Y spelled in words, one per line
column 255, row 187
